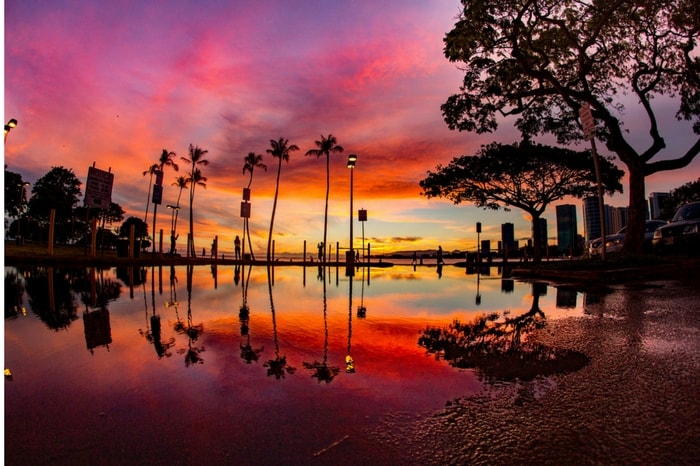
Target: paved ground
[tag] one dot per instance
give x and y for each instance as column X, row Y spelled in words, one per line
column 636, row 402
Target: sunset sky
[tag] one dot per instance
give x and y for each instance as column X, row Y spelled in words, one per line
column 115, row 83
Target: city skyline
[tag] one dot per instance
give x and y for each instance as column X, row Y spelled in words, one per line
column 115, row 86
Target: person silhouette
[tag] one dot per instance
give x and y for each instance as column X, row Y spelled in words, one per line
column 439, row 256
column 237, row 246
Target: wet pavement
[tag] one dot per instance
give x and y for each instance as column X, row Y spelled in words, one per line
column 636, row 402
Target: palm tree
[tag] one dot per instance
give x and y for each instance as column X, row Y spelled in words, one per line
column 281, row 150
column 197, row 179
column 180, row 183
column 196, row 157
column 152, row 170
column 165, row 160
column 325, row 146
column 250, row 163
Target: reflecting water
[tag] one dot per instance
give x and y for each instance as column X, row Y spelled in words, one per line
column 231, row 365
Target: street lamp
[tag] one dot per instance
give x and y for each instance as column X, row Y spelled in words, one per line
column 10, row 124
column 352, row 159
column 21, row 208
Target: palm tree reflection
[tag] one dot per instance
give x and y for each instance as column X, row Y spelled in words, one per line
column 192, row 352
column 277, row 366
column 248, row 353
column 321, row 370
column 500, row 349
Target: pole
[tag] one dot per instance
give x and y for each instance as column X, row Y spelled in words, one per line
column 601, row 201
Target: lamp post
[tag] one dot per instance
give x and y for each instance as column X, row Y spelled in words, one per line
column 10, row 124
column 352, row 159
column 21, row 210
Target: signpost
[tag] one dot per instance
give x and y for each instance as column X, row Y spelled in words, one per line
column 98, row 188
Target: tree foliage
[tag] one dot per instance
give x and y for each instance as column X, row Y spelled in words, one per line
column 15, row 193
column 689, row 192
column 140, row 228
column 541, row 61
column 526, row 176
column 59, row 190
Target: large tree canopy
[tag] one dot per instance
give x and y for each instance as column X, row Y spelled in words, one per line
column 542, row 60
column 525, row 176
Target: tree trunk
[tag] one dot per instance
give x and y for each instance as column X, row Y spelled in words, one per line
column 636, row 223
column 537, row 250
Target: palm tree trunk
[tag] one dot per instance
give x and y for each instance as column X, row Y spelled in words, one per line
column 155, row 210
column 325, row 217
column 250, row 244
column 191, row 239
column 148, row 198
column 274, row 208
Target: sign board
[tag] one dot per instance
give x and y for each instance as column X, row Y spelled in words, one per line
column 98, row 188
column 159, row 177
column 587, row 122
column 157, row 194
column 246, row 194
column 362, row 215
column 245, row 210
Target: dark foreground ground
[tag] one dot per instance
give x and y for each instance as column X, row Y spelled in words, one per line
column 636, row 402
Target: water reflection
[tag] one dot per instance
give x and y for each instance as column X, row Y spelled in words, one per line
column 499, row 348
column 277, row 366
column 321, row 370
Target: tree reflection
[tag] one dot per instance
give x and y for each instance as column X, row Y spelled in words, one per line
column 192, row 353
column 321, row 370
column 277, row 366
column 500, row 349
column 50, row 297
column 248, row 353
column 153, row 332
column 14, row 294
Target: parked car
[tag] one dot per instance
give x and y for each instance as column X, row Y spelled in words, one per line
column 614, row 243
column 682, row 233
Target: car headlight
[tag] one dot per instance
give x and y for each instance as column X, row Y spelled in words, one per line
column 657, row 234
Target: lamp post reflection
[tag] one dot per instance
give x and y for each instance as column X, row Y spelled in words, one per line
column 349, row 362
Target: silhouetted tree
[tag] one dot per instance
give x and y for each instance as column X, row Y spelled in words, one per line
column 542, row 61
column 196, row 157
column 251, row 162
column 689, row 192
column 15, row 194
column 525, row 176
column 326, row 146
column 165, row 160
column 280, row 149
column 59, row 189
column 152, row 170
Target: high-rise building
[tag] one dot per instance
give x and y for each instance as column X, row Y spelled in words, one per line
column 508, row 238
column 567, row 226
column 656, row 204
column 591, row 218
column 616, row 217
